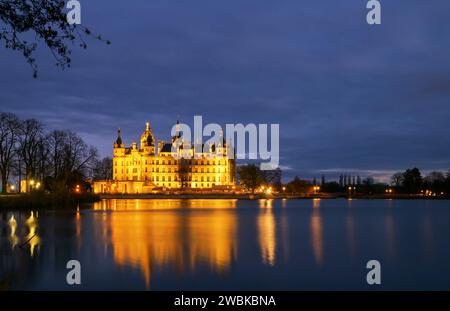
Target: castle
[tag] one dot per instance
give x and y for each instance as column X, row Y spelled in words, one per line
column 157, row 166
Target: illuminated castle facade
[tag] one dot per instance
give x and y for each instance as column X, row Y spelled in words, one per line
column 154, row 165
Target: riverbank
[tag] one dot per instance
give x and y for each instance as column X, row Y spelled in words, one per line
column 40, row 200
column 213, row 196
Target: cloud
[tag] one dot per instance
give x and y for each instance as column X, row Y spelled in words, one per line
column 345, row 94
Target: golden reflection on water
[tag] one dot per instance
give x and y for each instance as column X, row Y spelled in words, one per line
column 14, row 239
column 267, row 232
column 164, row 204
column 316, row 228
column 151, row 234
column 32, row 239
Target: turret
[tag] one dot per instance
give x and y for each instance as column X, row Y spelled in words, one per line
column 119, row 148
column 148, row 140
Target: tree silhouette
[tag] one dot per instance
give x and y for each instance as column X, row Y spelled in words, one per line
column 25, row 23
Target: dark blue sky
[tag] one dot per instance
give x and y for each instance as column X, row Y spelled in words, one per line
column 349, row 97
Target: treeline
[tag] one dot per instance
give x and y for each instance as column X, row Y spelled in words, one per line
column 57, row 159
column 410, row 181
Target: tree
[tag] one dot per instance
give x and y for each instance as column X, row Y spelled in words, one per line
column 298, row 185
column 24, row 23
column 447, row 183
column 9, row 135
column 331, row 187
column 32, row 149
column 435, row 181
column 272, row 177
column 368, row 185
column 412, row 180
column 397, row 180
column 70, row 156
column 103, row 169
column 250, row 176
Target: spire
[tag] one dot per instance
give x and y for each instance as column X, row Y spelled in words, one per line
column 119, row 138
column 147, row 126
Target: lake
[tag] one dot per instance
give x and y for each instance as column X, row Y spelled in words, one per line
column 229, row 245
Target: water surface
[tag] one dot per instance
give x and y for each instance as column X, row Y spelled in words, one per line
column 229, row 244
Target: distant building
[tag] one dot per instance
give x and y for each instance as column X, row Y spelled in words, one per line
column 153, row 166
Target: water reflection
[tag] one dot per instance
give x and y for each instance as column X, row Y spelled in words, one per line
column 225, row 244
column 168, row 204
column 28, row 238
column 156, row 237
column 14, row 239
column 267, row 232
column 32, row 238
column 317, row 232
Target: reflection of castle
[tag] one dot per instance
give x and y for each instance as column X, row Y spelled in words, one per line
column 159, row 239
column 156, row 165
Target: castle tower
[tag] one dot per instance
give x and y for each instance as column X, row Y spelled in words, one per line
column 148, row 141
column 119, row 148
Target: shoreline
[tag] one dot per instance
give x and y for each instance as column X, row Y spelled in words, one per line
column 70, row 202
column 218, row 196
